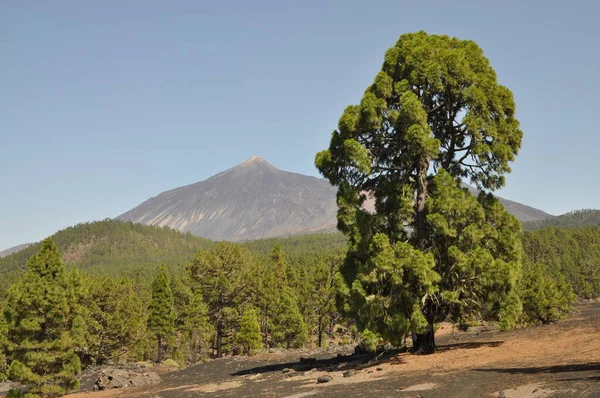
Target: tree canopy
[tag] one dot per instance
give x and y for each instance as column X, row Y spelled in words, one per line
column 161, row 311
column 434, row 116
column 45, row 331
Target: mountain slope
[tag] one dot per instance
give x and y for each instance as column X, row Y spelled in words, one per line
column 112, row 248
column 255, row 200
column 14, row 249
column 250, row 201
column 574, row 219
column 523, row 212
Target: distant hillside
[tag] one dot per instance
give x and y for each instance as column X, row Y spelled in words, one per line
column 14, row 249
column 112, row 248
column 523, row 212
column 256, row 200
column 575, row 219
column 301, row 245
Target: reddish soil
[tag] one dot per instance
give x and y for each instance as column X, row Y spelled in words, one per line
column 556, row 360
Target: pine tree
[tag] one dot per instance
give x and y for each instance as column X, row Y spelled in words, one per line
column 223, row 275
column 266, row 291
column 249, row 335
column 3, row 342
column 323, row 292
column 116, row 318
column 289, row 328
column 545, row 297
column 161, row 315
column 435, row 108
column 43, row 326
column 192, row 324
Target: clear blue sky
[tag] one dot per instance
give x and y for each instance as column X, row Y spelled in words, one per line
column 107, row 103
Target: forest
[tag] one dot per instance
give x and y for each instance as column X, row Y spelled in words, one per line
column 224, row 299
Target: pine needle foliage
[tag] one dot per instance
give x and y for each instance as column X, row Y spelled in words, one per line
column 44, row 328
column 435, row 116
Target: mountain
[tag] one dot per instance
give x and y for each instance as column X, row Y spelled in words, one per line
column 574, row 219
column 250, row 201
column 14, row 249
column 523, row 212
column 256, row 200
column 112, row 248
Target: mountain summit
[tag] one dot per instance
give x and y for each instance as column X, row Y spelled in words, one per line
column 250, row 201
column 256, row 200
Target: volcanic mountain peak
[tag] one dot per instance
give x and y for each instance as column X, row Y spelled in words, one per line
column 251, row 168
column 254, row 159
column 249, row 201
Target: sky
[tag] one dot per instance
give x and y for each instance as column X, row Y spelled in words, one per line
column 106, row 104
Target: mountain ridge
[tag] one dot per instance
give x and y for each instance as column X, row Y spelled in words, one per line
column 14, row 249
column 252, row 200
column 256, row 200
column 573, row 219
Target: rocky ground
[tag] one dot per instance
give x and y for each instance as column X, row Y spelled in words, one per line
column 556, row 360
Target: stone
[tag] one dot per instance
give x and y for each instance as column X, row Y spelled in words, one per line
column 350, row 373
column 111, row 377
column 286, row 370
column 143, row 379
column 324, row 379
column 501, row 394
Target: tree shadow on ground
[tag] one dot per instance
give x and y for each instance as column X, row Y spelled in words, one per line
column 584, row 367
column 340, row 362
column 353, row 361
column 588, row 378
column 470, row 345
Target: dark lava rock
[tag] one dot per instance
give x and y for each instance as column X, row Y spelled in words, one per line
column 324, row 379
column 379, row 369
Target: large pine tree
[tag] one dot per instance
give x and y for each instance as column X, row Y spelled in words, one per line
column 435, row 116
column 44, row 330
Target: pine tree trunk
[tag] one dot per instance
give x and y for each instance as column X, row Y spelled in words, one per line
column 219, row 338
column 425, row 343
column 331, row 325
column 266, row 329
column 320, row 331
column 159, row 351
column 421, row 227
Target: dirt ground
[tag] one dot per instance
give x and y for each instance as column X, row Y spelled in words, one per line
column 556, row 360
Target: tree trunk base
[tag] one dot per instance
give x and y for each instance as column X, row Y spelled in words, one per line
column 424, row 343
